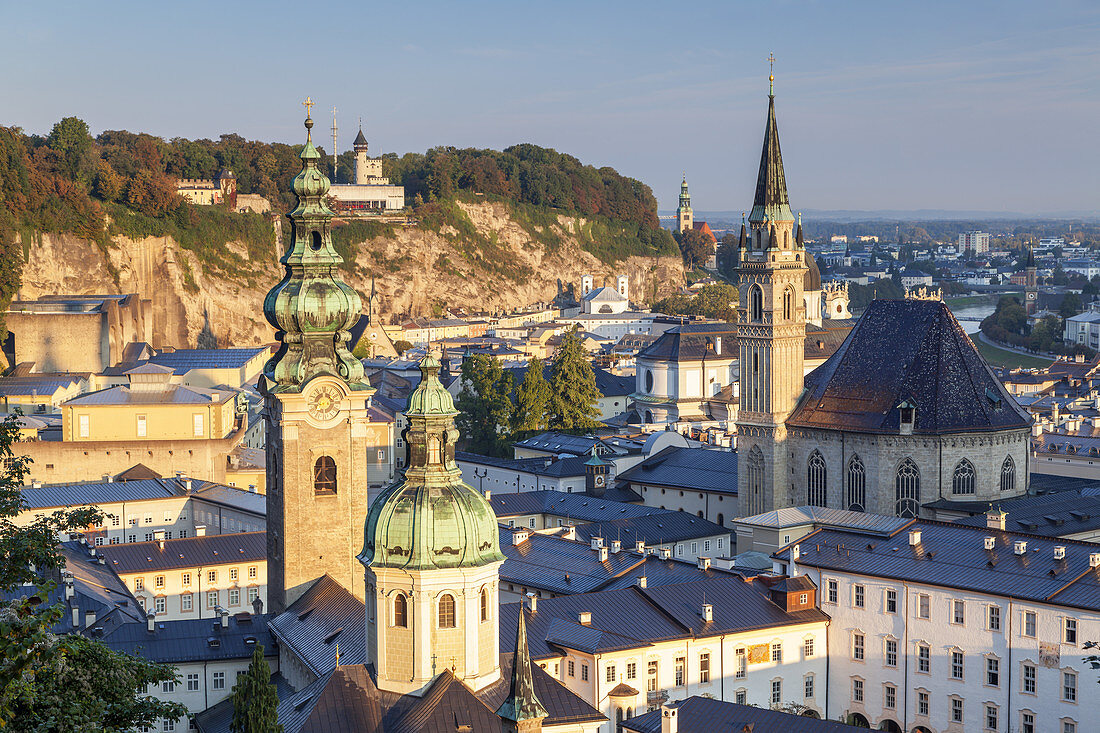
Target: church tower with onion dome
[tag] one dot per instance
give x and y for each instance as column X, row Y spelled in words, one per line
column 317, row 404
column 771, row 332
column 432, row 554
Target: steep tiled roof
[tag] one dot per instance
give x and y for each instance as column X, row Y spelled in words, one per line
column 657, row 528
column 826, row 517
column 193, row 640
column 697, row 469
column 325, row 615
column 221, row 549
column 907, row 350
column 692, row 342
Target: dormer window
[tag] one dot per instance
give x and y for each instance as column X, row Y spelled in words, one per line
column 908, row 413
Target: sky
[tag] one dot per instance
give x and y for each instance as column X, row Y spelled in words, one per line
column 991, row 106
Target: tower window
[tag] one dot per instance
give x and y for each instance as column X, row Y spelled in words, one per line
column 1008, row 475
column 401, row 611
column 484, row 604
column 324, row 476
column 907, row 489
column 756, row 303
column 815, row 476
column 962, row 481
column 855, row 498
column 787, row 301
column 315, row 243
column 447, row 611
column 433, row 450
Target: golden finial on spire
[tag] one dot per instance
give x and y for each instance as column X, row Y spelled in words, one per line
column 308, row 104
column 337, row 655
column 771, row 74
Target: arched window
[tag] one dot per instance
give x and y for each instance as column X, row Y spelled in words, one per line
column 484, row 604
column 962, row 481
column 788, row 304
column 648, row 417
column 721, row 519
column 815, row 479
column 786, row 240
column 447, row 611
column 756, row 303
column 907, row 489
column 756, row 481
column 324, row 476
column 433, row 450
column 1008, row 474
column 315, row 242
column 855, row 492
column 401, row 611
column 648, row 380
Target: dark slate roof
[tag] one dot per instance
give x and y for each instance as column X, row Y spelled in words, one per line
column 1056, row 514
column 182, row 361
column 657, row 528
column 558, row 565
column 692, row 342
column 62, row 495
column 218, row 549
column 954, row 556
column 822, row 341
column 348, row 701
column 360, row 139
column 217, row 719
column 325, row 615
column 911, row 350
column 193, row 640
column 576, row 506
column 137, row 472
column 1045, row 482
column 555, row 442
column 709, row 715
column 690, row 469
column 636, row 617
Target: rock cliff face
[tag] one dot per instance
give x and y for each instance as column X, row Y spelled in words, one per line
column 414, row 269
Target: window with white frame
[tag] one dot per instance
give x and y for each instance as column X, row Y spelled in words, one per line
column 808, row 647
column 704, row 667
column 631, row 670
column 234, row 573
column 740, row 697
column 1029, row 624
column 218, row 681
column 777, row 651
column 956, row 710
column 1069, row 686
column 679, row 671
column 993, row 618
column 253, row 594
column 924, row 605
column 584, row 672
column 158, row 581
column 858, row 595
column 160, row 605
column 777, row 692
column 186, row 602
column 1027, row 722
column 891, row 600
column 924, row 658
column 956, row 664
column 992, row 717
column 1069, row 726
column 857, row 647
column 198, row 423
column 889, row 697
column 857, row 690
column 185, row 578
column 192, row 682
column 1028, row 681
column 808, row 686
column 742, row 664
column 922, row 703
column 993, row 672
column 211, row 598
column 212, row 576
column 958, row 612
column 168, row 686
column 85, row 427
column 234, row 596
column 609, row 673
column 833, row 590
column 1069, row 630
column 891, row 653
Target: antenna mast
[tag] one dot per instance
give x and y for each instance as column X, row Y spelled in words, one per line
column 334, row 145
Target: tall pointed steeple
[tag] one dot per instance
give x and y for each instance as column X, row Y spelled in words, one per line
column 771, row 203
column 312, row 308
column 522, row 711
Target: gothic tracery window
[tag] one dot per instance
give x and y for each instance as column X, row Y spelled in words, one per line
column 324, row 476
column 447, row 611
column 756, row 481
column 907, row 489
column 756, row 303
column 962, row 480
column 855, row 490
column 816, row 473
column 1008, row 474
column 788, row 300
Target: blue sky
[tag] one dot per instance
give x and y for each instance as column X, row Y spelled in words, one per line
column 953, row 105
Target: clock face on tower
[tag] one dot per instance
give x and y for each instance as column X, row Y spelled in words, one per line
column 598, row 479
column 1031, row 296
column 324, row 402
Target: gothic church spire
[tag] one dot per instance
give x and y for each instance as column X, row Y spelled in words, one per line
column 770, row 203
column 522, row 704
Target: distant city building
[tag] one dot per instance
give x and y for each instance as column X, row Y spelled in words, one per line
column 372, row 192
column 976, row 241
column 685, row 220
column 221, row 190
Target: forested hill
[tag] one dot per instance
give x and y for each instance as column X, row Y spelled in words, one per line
column 529, row 220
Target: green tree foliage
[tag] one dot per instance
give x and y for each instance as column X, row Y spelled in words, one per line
column 70, row 141
column 573, row 393
column 718, row 301
column 860, row 296
column 254, row 699
column 485, row 406
column 1071, row 305
column 1045, row 333
column 1008, row 325
column 84, row 686
column 532, row 402
column 401, row 346
column 39, row 671
column 695, row 247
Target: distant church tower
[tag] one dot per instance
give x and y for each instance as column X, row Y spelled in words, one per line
column 432, row 553
column 1031, row 283
column 316, row 403
column 684, row 219
column 366, row 167
column 771, row 333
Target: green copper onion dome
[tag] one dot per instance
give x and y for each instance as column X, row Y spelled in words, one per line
column 430, row 518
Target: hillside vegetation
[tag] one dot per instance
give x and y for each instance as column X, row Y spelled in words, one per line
column 121, row 185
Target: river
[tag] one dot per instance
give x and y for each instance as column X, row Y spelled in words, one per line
column 971, row 316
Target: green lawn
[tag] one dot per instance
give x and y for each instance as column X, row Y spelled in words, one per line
column 1003, row 357
column 965, row 300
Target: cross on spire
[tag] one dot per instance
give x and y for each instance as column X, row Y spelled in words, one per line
column 771, row 73
column 308, row 104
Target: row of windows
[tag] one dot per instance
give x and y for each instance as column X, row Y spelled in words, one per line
column 185, row 578
column 991, row 714
column 906, row 483
column 198, row 426
column 187, row 600
column 445, row 610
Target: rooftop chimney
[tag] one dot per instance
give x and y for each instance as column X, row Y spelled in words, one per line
column 585, row 618
column 570, row 532
column 76, row 617
column 520, row 536
column 642, row 581
column 1019, row 547
column 616, row 545
column 639, row 547
column 89, row 618
column 666, row 553
column 995, row 519
column 597, row 543
column 150, row 621
column 669, row 721
column 1059, row 552
column 990, row 543
column 200, row 530
column 223, row 616
column 703, row 563
column 533, row 602
column 914, row 537
column 158, row 535
column 603, row 554
column 69, row 591
column 488, row 494
column 1094, row 559
column 708, row 612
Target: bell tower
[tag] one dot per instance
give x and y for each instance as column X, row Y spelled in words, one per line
column 684, row 217
column 1031, row 283
column 771, row 333
column 316, row 406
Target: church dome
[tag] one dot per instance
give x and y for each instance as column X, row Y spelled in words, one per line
column 429, row 518
column 812, row 279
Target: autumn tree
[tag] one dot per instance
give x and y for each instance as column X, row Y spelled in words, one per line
column 254, row 699
column 485, row 406
column 695, row 247
column 69, row 138
column 573, row 393
column 532, row 401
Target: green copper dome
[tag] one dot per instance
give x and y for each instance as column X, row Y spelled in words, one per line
column 430, row 518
